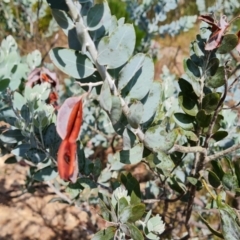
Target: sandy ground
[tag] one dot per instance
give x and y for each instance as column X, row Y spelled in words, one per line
column 31, row 216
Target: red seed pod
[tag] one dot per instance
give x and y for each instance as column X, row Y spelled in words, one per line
column 69, row 122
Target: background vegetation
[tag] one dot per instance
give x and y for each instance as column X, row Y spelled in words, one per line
column 171, row 172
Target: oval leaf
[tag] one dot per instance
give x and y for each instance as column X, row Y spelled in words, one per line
column 218, row 136
column 4, row 84
column 228, row 43
column 188, row 105
column 128, row 139
column 116, row 49
column 152, row 103
column 45, row 174
column 72, row 62
column 135, row 114
column 99, row 15
column 210, row 102
column 106, row 234
column 163, row 162
column 156, row 138
column 12, row 136
column 63, row 20
column 116, row 110
column 105, row 98
column 193, row 68
column 216, row 80
column 130, row 69
column 140, row 83
column 203, row 119
column 184, row 121
column 212, row 66
column 213, row 179
column 132, row 156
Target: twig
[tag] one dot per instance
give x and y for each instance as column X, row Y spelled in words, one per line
column 90, row 84
column 50, row 47
column 222, row 153
column 234, row 81
column 100, row 133
column 227, row 108
column 61, row 195
column 218, row 109
column 199, row 149
column 202, row 80
column 183, row 149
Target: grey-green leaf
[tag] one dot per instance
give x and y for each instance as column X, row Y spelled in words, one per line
column 132, row 156
column 116, row 110
column 63, row 20
column 141, row 81
column 163, row 162
column 45, row 174
column 128, row 139
column 105, row 97
column 130, row 69
column 230, row 181
column 135, row 114
column 35, row 155
column 105, row 212
column 137, row 212
column 190, row 135
column 72, row 62
column 184, row 121
column 106, row 234
column 116, row 49
column 134, row 232
column 230, row 220
column 99, row 15
column 193, row 68
column 157, row 138
column 154, row 227
column 153, row 101
column 125, row 214
column 188, row 105
column 18, row 101
column 21, row 150
column 11, row 136
column 34, row 59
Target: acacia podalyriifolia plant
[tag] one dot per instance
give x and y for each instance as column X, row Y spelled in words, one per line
column 179, row 145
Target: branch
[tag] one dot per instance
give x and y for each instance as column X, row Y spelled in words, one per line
column 234, row 81
column 199, row 149
column 61, row 195
column 88, row 44
column 183, row 149
column 222, row 153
